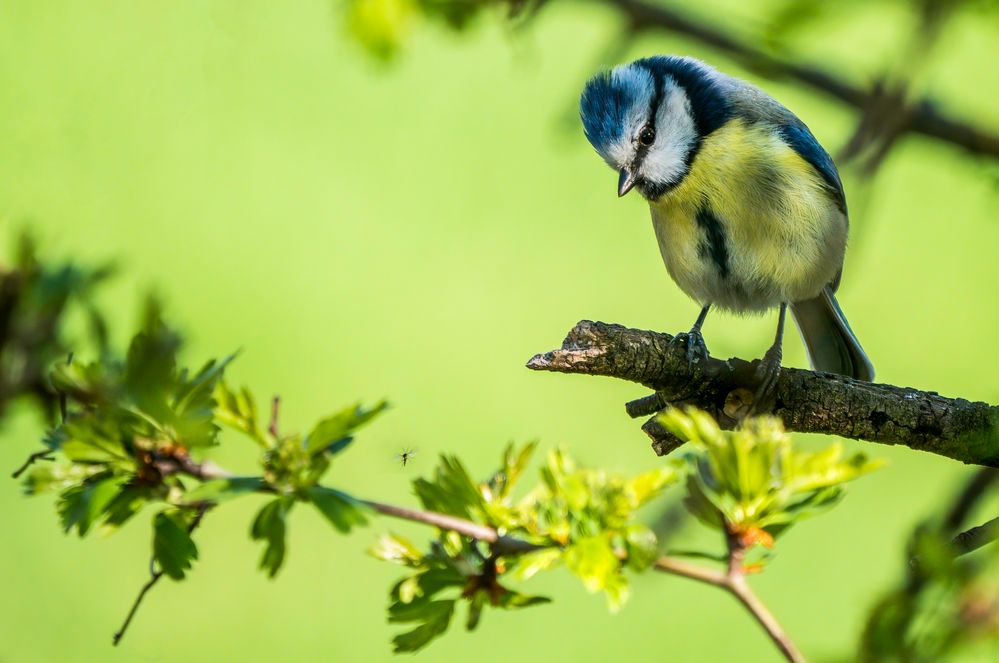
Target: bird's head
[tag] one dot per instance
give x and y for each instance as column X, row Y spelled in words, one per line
column 646, row 119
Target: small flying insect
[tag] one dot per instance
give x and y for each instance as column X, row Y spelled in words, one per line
column 406, row 456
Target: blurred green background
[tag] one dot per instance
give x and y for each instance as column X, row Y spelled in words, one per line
column 418, row 231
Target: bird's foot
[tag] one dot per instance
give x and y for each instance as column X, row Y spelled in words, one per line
column 767, row 373
column 697, row 351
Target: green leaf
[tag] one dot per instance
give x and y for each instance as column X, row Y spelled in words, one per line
column 342, row 510
column 649, row 485
column 753, row 478
column 198, row 391
column 396, row 549
column 475, row 606
column 594, row 561
column 642, row 547
column 270, row 526
column 332, row 434
column 173, row 548
column 150, row 368
column 128, row 502
column 44, row 477
column 435, row 617
column 238, row 410
column 512, row 600
column 192, row 417
column 514, row 464
column 422, row 586
column 529, row 564
column 220, row 490
column 81, row 505
column 94, row 439
column 452, row 490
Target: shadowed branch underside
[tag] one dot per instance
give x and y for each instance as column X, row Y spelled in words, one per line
column 807, row 401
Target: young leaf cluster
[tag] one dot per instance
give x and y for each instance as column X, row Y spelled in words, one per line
column 134, row 429
column 582, row 518
column 752, row 483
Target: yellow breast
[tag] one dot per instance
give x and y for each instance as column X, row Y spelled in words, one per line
column 783, row 235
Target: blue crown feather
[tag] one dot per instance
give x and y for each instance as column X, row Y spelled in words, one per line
column 602, row 108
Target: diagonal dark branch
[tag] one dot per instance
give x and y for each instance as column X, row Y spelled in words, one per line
column 154, row 577
column 807, row 401
column 45, row 454
column 976, row 537
column 924, row 117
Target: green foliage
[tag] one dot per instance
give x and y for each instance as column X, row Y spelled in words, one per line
column 946, row 608
column 591, row 515
column 455, row 570
column 291, row 463
column 134, row 430
column 132, row 427
column 751, row 482
column 238, row 410
column 36, row 299
column 340, row 509
column 80, row 506
column 580, row 517
column 173, row 549
column 270, row 526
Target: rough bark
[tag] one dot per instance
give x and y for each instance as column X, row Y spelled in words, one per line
column 807, row 401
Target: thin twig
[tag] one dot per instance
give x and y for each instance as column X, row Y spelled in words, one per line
column 120, row 633
column 45, row 454
column 275, row 411
column 969, row 496
column 500, row 543
column 739, row 588
column 154, row 577
column 678, row 567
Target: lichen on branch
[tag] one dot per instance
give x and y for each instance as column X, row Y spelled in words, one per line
column 807, row 401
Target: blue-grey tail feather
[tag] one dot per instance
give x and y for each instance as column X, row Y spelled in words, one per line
column 831, row 344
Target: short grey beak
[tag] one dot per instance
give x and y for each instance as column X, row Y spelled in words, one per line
column 626, row 182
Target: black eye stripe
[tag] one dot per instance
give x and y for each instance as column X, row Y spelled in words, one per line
column 657, row 98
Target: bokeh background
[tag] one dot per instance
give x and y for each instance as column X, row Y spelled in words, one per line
column 417, row 230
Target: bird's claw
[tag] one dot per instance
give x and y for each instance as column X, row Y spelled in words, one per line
column 697, row 351
column 767, row 373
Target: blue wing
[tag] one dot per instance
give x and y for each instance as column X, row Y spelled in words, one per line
column 797, row 135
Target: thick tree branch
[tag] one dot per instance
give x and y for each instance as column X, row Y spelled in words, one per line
column 923, row 115
column 807, row 401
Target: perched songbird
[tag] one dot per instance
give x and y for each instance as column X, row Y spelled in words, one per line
column 748, row 208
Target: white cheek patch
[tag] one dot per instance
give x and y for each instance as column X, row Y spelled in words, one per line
column 641, row 88
column 676, row 135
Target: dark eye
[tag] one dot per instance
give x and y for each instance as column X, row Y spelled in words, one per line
column 647, row 136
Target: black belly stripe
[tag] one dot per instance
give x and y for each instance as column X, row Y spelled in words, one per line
column 714, row 245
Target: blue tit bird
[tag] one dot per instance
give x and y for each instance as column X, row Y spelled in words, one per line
column 748, row 209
